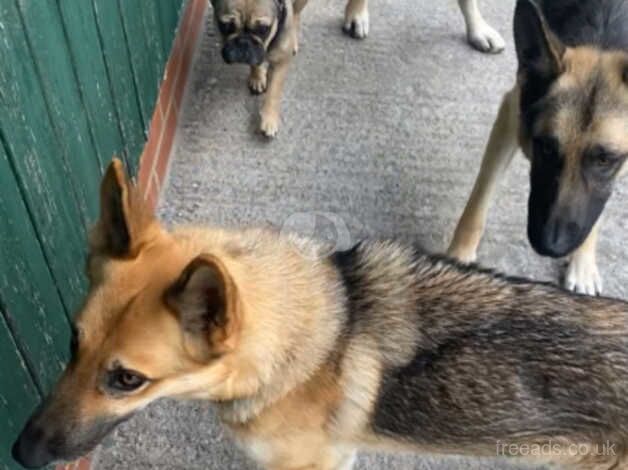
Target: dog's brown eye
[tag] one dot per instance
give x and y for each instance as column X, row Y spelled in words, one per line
column 125, row 380
column 603, row 158
column 606, row 159
column 226, row 28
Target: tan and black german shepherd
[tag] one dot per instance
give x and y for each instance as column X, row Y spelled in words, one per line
column 309, row 359
column 569, row 114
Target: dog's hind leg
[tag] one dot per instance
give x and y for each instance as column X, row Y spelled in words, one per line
column 357, row 19
column 582, row 275
column 479, row 33
column 500, row 149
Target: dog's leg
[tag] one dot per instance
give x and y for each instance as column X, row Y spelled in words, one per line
column 357, row 19
column 582, row 275
column 500, row 149
column 258, row 78
column 296, row 31
column 298, row 6
column 272, row 103
column 479, row 33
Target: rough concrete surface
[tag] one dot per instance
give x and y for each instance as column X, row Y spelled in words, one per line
column 382, row 137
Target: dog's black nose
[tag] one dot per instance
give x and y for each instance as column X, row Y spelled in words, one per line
column 31, row 449
column 556, row 238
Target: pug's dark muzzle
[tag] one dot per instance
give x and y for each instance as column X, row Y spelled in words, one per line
column 243, row 50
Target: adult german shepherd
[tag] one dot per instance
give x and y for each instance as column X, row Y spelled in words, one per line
column 569, row 114
column 309, row 358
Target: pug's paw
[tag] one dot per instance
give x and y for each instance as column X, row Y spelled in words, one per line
column 357, row 24
column 258, row 80
column 269, row 124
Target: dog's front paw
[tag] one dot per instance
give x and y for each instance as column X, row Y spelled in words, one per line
column 357, row 24
column 269, row 125
column 462, row 254
column 258, row 81
column 485, row 39
column 582, row 275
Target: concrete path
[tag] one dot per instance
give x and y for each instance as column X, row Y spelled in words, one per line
column 383, row 137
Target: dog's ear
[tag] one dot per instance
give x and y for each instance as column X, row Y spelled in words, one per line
column 123, row 215
column 205, row 300
column 539, row 50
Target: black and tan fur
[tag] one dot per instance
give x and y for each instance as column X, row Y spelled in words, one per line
column 265, row 35
column 569, row 114
column 309, row 359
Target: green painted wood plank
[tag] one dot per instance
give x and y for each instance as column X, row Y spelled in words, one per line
column 34, row 153
column 18, row 396
column 131, row 12
column 154, row 41
column 168, row 17
column 27, row 289
column 82, row 37
column 120, row 72
column 44, row 29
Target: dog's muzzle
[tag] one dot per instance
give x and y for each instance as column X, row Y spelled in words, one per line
column 32, row 450
column 243, row 50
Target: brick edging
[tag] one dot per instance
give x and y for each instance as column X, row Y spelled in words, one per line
column 158, row 148
column 156, row 155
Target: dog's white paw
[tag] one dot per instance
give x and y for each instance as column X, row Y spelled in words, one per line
column 464, row 255
column 485, row 39
column 357, row 24
column 582, row 275
column 269, row 125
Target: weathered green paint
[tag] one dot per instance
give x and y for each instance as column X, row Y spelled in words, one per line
column 82, row 36
column 152, row 32
column 118, row 63
column 68, row 116
column 78, row 83
column 143, row 72
column 168, row 17
column 17, row 402
column 27, row 290
column 37, row 158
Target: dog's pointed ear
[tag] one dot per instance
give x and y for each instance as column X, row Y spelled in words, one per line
column 123, row 214
column 539, row 50
column 204, row 298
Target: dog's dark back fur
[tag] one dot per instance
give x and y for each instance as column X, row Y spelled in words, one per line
column 474, row 357
column 599, row 23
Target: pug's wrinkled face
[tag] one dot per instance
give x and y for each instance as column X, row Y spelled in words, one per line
column 247, row 28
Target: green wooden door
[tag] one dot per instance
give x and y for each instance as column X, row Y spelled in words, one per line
column 78, row 83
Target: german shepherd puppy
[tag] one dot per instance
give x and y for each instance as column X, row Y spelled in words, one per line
column 308, row 359
column 569, row 114
column 264, row 34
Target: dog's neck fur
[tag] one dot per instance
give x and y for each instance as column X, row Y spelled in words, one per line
column 277, row 277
